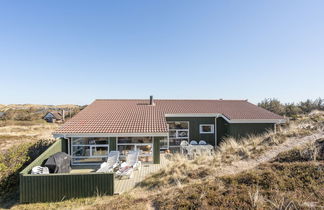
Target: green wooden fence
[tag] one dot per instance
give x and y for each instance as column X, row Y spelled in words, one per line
column 57, row 187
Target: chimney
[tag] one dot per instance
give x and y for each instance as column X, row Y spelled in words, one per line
column 151, row 101
column 63, row 115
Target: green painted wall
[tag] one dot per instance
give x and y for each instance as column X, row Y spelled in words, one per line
column 112, row 144
column 58, row 187
column 224, row 129
column 156, row 149
column 194, row 123
column 239, row 130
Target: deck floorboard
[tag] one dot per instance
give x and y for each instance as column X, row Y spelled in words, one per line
column 124, row 185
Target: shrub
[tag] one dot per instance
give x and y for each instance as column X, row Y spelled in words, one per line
column 314, row 151
column 274, row 185
column 291, row 109
column 15, row 159
column 273, row 105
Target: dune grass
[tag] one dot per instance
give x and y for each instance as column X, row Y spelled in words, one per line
column 286, row 182
column 18, row 132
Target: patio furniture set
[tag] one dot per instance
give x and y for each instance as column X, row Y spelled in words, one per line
column 113, row 164
column 195, row 149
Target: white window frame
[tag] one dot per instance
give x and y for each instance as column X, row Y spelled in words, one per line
column 178, row 130
column 135, row 146
column 210, row 132
column 90, row 152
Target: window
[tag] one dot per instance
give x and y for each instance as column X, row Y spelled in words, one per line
column 178, row 132
column 90, row 151
column 164, row 142
column 143, row 144
column 206, row 128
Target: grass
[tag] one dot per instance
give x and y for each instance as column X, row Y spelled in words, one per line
column 252, row 146
column 277, row 185
column 17, row 132
column 20, row 143
column 310, row 152
column 273, row 185
column 290, row 181
column 14, row 160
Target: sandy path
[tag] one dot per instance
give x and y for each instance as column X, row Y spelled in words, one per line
column 243, row 165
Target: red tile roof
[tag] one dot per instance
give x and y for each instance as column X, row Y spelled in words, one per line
column 136, row 116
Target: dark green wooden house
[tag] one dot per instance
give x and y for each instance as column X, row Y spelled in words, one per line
column 146, row 125
column 152, row 125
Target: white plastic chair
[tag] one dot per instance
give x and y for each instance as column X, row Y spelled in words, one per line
column 193, row 142
column 132, row 163
column 202, row 142
column 183, row 146
column 184, row 143
column 111, row 163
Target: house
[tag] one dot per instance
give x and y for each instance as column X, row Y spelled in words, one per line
column 54, row 116
column 2, row 114
column 154, row 125
column 146, row 125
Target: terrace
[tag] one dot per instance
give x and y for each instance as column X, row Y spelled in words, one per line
column 124, row 185
column 82, row 181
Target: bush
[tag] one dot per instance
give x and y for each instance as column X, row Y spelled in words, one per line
column 314, row 151
column 273, row 105
column 22, row 114
column 270, row 186
column 291, row 109
column 15, row 160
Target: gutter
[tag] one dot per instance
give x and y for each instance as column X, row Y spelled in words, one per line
column 276, row 121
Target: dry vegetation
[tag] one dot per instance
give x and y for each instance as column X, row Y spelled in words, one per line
column 4, row 107
column 23, row 122
column 293, row 179
column 17, row 132
column 20, row 143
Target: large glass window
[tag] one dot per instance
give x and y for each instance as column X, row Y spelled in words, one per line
column 143, row 144
column 86, row 150
column 178, row 132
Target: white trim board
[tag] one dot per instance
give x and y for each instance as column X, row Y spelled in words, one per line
column 277, row 121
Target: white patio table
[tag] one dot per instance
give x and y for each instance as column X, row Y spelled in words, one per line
column 193, row 150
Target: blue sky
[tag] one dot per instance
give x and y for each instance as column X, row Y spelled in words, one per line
column 62, row 52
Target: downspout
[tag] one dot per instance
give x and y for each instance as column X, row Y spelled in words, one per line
column 215, row 130
column 275, row 127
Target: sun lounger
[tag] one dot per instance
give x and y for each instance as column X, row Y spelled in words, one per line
column 111, row 163
column 126, row 169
